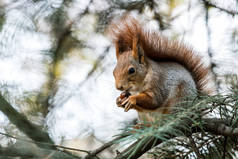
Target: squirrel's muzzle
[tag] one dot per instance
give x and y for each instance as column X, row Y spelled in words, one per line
column 119, row 87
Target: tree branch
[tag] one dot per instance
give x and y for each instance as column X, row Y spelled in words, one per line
column 219, row 127
column 14, row 152
column 23, row 124
column 40, row 137
column 28, row 150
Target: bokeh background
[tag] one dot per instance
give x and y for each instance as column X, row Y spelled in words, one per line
column 56, row 59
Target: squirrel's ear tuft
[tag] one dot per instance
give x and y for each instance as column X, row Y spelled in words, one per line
column 137, row 50
column 120, row 47
column 117, row 50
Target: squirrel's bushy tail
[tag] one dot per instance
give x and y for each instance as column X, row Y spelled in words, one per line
column 159, row 48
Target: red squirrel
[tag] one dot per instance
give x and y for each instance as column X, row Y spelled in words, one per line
column 153, row 72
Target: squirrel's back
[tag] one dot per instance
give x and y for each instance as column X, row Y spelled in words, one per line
column 160, row 49
column 177, row 77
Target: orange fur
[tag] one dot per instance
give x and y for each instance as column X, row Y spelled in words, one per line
column 144, row 100
column 158, row 48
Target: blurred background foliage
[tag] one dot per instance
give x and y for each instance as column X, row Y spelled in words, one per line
column 56, row 61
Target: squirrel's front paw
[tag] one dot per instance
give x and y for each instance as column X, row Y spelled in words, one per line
column 129, row 103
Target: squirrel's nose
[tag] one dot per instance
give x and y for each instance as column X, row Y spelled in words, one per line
column 119, row 87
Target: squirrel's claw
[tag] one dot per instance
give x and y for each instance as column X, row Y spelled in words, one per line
column 129, row 103
column 127, row 107
column 125, row 102
column 118, row 102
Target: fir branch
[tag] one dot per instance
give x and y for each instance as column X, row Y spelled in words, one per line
column 212, row 125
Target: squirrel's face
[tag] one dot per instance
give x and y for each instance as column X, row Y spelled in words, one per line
column 130, row 72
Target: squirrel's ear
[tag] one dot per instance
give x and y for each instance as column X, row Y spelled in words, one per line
column 137, row 50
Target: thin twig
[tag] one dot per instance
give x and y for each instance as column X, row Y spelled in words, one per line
column 224, row 147
column 89, row 74
column 209, row 49
column 232, row 12
column 194, row 147
column 44, row 143
column 103, row 147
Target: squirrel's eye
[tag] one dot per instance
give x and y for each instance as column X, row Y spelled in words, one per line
column 131, row 70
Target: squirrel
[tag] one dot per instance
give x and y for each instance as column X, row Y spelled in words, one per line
column 153, row 72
